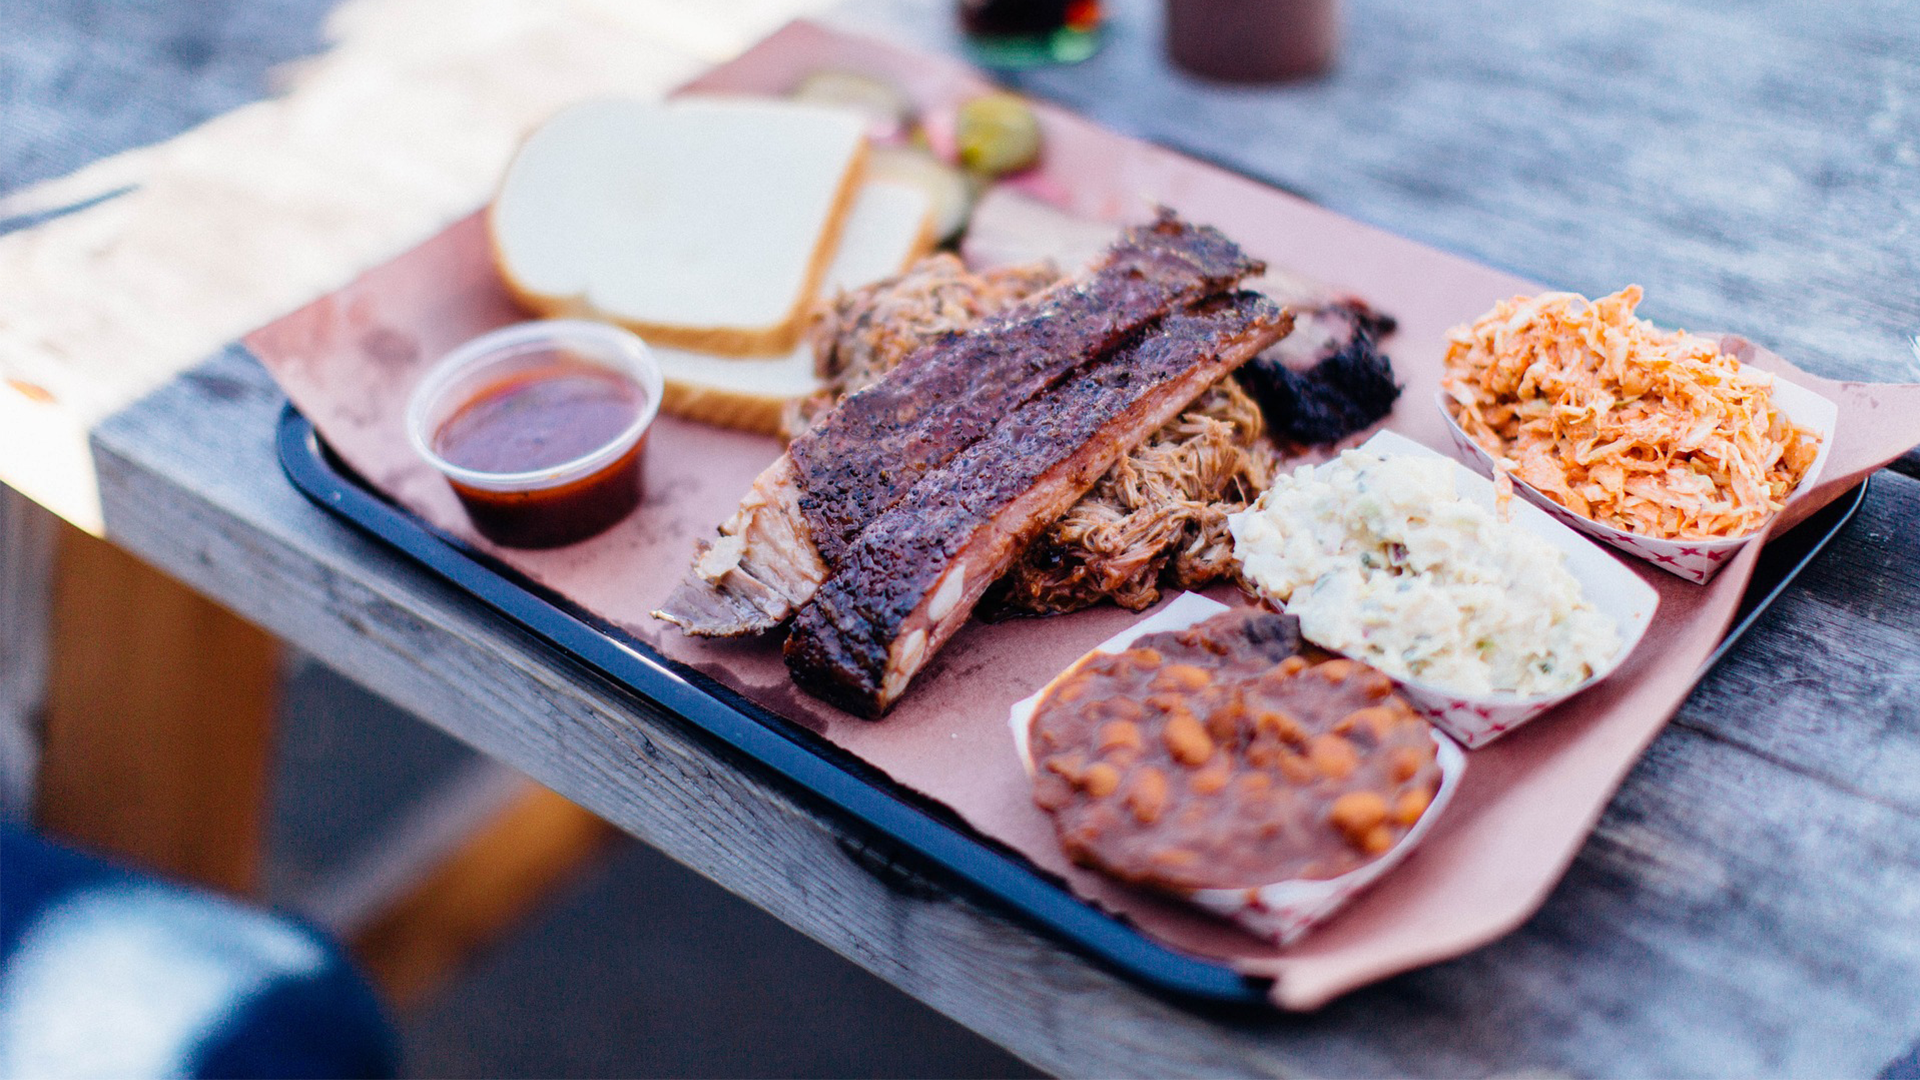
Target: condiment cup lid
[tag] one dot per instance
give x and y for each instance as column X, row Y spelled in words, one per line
column 468, row 368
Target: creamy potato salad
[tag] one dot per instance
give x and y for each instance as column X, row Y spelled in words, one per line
column 1380, row 559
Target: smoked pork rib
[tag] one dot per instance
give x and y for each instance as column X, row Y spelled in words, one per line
column 760, row 569
column 912, row 576
column 806, row 509
column 862, row 457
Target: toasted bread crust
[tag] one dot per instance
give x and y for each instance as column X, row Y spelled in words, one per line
column 757, row 413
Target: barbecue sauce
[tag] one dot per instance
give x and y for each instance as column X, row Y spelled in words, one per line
column 559, row 409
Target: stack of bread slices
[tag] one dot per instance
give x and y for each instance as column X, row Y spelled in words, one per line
column 709, row 226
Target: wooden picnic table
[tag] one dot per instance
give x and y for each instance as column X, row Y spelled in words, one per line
column 1750, row 902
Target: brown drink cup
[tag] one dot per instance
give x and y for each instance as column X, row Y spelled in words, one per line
column 1253, row 41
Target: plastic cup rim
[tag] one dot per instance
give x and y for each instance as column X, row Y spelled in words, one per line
column 602, row 341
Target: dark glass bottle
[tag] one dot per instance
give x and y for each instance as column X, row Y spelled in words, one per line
column 1029, row 33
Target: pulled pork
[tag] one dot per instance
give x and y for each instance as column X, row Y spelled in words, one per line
column 1158, row 517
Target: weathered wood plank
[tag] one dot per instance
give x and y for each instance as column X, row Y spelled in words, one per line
column 135, row 72
column 1700, row 933
column 1755, row 167
column 1730, row 909
column 1828, row 681
column 399, row 129
column 441, row 655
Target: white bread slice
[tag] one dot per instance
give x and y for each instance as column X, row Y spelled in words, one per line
column 701, row 222
column 744, row 392
column 889, row 226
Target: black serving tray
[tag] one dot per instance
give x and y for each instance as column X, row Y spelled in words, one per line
column 910, row 842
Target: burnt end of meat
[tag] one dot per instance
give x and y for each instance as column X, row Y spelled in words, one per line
column 868, row 452
column 1349, row 388
column 1273, row 636
column 1251, row 638
column 1054, row 447
column 1376, row 323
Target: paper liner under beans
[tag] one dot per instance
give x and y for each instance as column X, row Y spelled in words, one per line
column 1283, row 910
column 1695, row 560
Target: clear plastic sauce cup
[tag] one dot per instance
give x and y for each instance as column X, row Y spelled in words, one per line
column 540, row 428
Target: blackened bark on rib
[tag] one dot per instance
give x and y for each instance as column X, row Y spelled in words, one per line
column 841, row 642
column 865, row 455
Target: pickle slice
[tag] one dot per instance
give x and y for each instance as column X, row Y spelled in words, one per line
column 997, row 134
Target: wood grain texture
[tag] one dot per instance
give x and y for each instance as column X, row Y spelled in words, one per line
column 190, row 242
column 1734, row 913
column 158, row 724
column 139, row 72
column 1852, row 725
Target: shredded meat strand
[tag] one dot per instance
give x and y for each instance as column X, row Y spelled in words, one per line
column 1158, row 517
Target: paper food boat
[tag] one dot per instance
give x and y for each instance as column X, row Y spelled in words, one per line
column 1283, row 910
column 1695, row 560
column 1606, row 583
